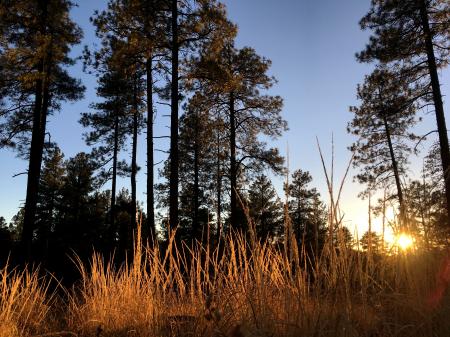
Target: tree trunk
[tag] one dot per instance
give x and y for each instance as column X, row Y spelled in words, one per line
column 36, row 147
column 114, row 180
column 173, row 194
column 134, row 156
column 233, row 166
column 396, row 174
column 150, row 161
column 219, row 191
column 195, row 225
column 439, row 108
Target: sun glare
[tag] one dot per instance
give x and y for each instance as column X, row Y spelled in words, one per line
column 405, row 241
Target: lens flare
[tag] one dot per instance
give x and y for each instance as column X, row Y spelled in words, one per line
column 405, row 241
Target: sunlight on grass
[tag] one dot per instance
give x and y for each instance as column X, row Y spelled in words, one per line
column 24, row 303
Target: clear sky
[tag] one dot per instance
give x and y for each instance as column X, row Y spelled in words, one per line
column 311, row 43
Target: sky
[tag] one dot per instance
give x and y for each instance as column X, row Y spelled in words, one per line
column 312, row 46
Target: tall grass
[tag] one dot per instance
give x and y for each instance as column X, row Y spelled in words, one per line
column 241, row 288
column 252, row 289
column 25, row 303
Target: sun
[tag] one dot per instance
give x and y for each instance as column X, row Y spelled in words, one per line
column 405, row 241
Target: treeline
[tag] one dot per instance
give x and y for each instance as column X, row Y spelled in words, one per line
column 182, row 53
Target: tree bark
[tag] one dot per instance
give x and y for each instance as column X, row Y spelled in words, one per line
column 134, row 156
column 173, row 193
column 233, row 165
column 37, row 146
column 195, row 225
column 439, row 107
column 219, row 191
column 114, row 180
column 150, row 160
column 396, row 173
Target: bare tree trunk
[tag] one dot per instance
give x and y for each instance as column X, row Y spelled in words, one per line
column 396, row 174
column 195, row 221
column 219, row 190
column 173, row 193
column 36, row 147
column 233, row 165
column 150, row 159
column 439, row 107
column 114, row 181
column 134, row 156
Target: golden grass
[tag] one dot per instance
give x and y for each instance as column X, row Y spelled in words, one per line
column 24, row 303
column 247, row 288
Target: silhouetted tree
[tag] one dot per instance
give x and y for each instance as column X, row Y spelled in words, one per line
column 109, row 124
column 35, row 42
column 265, row 209
column 307, row 212
column 371, row 241
column 413, row 35
column 49, row 198
column 382, row 124
column 234, row 79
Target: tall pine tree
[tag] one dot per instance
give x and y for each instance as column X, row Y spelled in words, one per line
column 36, row 40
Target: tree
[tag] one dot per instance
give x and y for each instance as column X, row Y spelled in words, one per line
column 307, row 213
column 117, row 54
column 414, row 36
column 82, row 216
column 265, row 209
column 426, row 200
column 36, row 37
column 371, row 242
column 234, row 80
column 343, row 238
column 196, row 25
column 196, row 165
column 109, row 125
column 382, row 123
column 5, row 240
column 49, row 198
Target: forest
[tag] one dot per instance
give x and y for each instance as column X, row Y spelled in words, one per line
column 216, row 248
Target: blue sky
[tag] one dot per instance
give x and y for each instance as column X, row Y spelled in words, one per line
column 311, row 43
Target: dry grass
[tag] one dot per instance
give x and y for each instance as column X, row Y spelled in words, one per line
column 244, row 289
column 24, row 303
column 250, row 289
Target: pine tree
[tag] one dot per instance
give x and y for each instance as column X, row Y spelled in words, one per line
column 35, row 42
column 307, row 213
column 196, row 25
column 382, row 124
column 119, row 54
column 109, row 127
column 196, row 164
column 414, row 36
column 234, row 79
column 49, row 198
column 82, row 221
column 266, row 209
column 371, row 242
